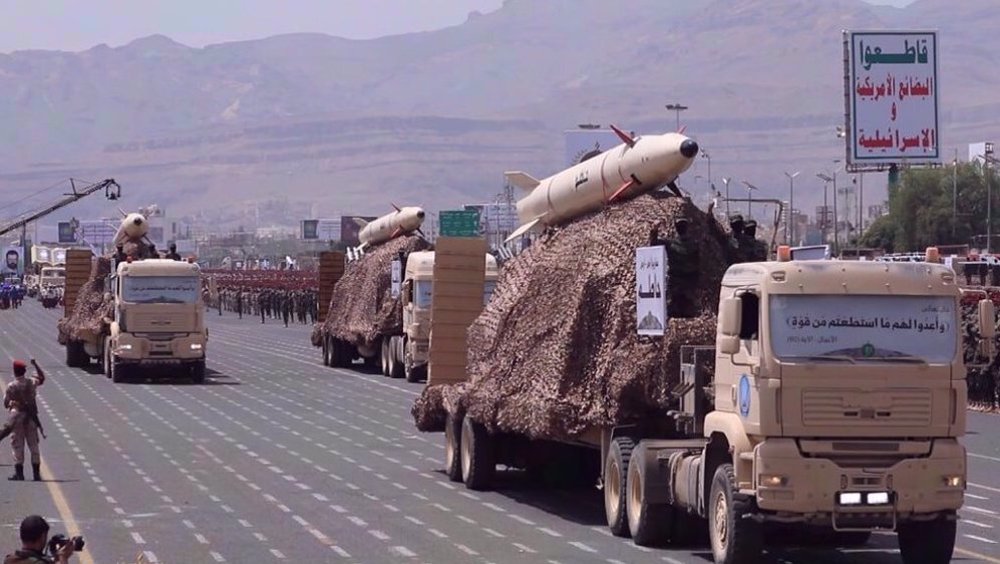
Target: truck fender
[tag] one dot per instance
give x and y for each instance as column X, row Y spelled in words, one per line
column 728, row 426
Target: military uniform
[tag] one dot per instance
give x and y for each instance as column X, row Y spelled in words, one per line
column 20, row 399
column 27, row 557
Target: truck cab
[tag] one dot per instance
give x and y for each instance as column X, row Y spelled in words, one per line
column 158, row 319
column 836, row 402
column 53, row 277
column 413, row 346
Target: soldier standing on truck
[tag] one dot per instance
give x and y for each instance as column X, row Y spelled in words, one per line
column 736, row 226
column 752, row 249
column 683, row 261
column 19, row 398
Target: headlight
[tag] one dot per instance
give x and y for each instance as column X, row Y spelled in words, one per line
column 195, row 346
column 772, row 480
column 954, row 481
column 850, row 498
column 125, row 347
column 878, row 498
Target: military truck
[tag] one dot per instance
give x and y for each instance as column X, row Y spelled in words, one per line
column 407, row 354
column 832, row 400
column 158, row 321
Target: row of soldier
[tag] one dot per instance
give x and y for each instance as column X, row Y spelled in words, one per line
column 287, row 305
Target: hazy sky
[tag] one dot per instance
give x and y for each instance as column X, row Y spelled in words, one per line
column 75, row 25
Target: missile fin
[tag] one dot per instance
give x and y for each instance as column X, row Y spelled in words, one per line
column 625, row 137
column 523, row 229
column 395, row 207
column 522, row 180
column 360, row 222
column 396, row 233
column 621, row 191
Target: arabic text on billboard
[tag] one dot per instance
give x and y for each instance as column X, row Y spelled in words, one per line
column 894, row 97
column 651, row 283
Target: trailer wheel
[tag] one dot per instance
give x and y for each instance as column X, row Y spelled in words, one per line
column 384, row 356
column 616, row 485
column 106, row 364
column 197, row 372
column 326, row 351
column 117, row 370
column 650, row 523
column 735, row 538
column 75, row 355
column 478, row 463
column 927, row 542
column 453, row 448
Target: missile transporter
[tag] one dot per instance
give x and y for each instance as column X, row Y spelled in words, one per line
column 813, row 396
column 134, row 313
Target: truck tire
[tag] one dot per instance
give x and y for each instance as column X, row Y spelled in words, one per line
column 476, row 453
column 413, row 374
column 735, row 539
column 197, row 371
column 927, row 542
column 106, row 364
column 384, row 356
column 453, row 448
column 616, row 485
column 326, row 351
column 117, row 370
column 396, row 368
column 650, row 523
column 76, row 357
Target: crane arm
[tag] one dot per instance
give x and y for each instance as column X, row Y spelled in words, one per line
column 65, row 201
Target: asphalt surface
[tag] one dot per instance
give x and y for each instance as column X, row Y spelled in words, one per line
column 276, row 458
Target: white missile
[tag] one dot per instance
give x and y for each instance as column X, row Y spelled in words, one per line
column 389, row 226
column 133, row 228
column 638, row 165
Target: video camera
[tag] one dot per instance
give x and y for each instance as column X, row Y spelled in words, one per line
column 58, row 541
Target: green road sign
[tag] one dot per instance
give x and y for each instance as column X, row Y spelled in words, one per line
column 459, row 223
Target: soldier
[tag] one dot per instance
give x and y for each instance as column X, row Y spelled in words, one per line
column 19, row 398
column 286, row 307
column 683, row 261
column 239, row 302
column 983, row 268
column 752, row 249
column 968, row 269
column 173, row 255
column 736, row 226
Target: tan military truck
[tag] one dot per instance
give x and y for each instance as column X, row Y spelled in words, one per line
column 407, row 354
column 158, row 321
column 833, row 399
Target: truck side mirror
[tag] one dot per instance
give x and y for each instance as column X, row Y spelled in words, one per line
column 730, row 321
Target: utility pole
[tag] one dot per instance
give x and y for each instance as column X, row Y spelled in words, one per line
column 791, row 206
column 726, row 180
column 750, row 188
column 677, row 108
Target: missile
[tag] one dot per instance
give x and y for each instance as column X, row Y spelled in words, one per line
column 640, row 164
column 389, row 226
column 133, row 228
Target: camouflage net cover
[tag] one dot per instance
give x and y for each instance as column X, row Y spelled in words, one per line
column 92, row 306
column 556, row 351
column 362, row 308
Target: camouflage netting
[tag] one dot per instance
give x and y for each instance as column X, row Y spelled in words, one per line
column 984, row 383
column 92, row 307
column 362, row 307
column 556, row 351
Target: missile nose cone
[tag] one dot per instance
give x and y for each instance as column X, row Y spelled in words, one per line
column 138, row 220
column 420, row 214
column 689, row 148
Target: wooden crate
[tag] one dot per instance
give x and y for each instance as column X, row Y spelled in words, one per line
column 331, row 270
column 79, row 263
column 456, row 301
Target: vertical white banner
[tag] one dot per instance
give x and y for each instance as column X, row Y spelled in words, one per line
column 651, row 290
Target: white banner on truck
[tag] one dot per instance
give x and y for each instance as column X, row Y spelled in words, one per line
column 397, row 278
column 650, row 287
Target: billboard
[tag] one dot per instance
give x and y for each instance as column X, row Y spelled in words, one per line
column 892, row 94
column 66, row 232
column 13, row 263
column 328, row 229
column 350, row 228
column 978, row 150
column 650, row 284
column 99, row 231
column 582, row 144
column 309, row 228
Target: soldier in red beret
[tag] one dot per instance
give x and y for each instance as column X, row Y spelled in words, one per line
column 20, row 399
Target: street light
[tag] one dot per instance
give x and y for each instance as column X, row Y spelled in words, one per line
column 826, row 208
column 791, row 205
column 726, row 180
column 677, row 108
column 750, row 187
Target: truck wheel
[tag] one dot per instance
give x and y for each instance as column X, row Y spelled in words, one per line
column 650, row 523
column 198, row 372
column 453, row 448
column 735, row 539
column 384, row 356
column 927, row 542
column 476, row 453
column 616, row 485
column 117, row 370
column 106, row 364
column 326, row 351
column 75, row 355
column 396, row 368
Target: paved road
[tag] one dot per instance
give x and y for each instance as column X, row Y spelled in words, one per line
column 277, row 458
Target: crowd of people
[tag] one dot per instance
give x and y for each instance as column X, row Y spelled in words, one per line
column 286, row 296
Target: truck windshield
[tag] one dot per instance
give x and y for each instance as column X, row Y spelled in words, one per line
column 53, row 273
column 422, row 293
column 864, row 328
column 160, row 289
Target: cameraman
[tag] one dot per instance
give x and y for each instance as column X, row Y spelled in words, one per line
column 34, row 537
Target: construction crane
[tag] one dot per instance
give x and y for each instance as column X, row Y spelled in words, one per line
column 112, row 191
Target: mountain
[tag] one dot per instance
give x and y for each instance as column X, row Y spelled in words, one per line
column 434, row 118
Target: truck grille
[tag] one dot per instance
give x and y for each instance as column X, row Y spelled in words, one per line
column 906, row 407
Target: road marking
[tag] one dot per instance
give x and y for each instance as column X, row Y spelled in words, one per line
column 65, row 513
column 980, row 510
column 974, row 496
column 524, row 548
column 466, row 550
column 987, row 488
column 582, row 546
column 980, row 556
column 980, row 539
column 403, row 551
column 976, row 524
column 138, row 538
column 984, row 457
